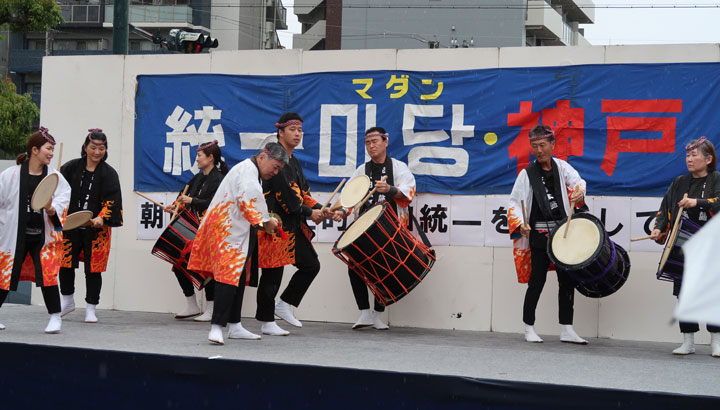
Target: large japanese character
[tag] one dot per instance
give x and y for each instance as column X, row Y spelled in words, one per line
column 650, row 216
column 434, row 95
column 650, row 125
column 567, row 122
column 400, row 85
column 611, row 232
column 433, row 218
column 151, row 215
column 368, row 83
column 500, row 220
column 183, row 136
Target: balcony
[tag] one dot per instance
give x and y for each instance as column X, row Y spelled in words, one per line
column 582, row 11
column 305, row 6
column 143, row 15
column 81, row 14
column 546, row 24
column 277, row 14
column 310, row 39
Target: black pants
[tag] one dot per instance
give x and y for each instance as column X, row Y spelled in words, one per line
column 228, row 303
column 360, row 291
column 33, row 246
column 189, row 290
column 538, row 274
column 82, row 242
column 308, row 265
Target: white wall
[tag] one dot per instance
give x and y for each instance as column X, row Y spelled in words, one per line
column 479, row 283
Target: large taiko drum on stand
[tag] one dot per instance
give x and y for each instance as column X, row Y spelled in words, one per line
column 598, row 265
column 672, row 261
column 383, row 252
column 175, row 243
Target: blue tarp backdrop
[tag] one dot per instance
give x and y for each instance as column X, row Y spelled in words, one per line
column 623, row 127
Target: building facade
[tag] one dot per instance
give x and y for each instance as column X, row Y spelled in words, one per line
column 377, row 24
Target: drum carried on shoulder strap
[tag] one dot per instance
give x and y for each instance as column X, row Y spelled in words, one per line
column 672, row 261
column 383, row 252
column 175, row 243
column 598, row 265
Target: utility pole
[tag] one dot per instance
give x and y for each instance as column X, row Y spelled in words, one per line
column 121, row 31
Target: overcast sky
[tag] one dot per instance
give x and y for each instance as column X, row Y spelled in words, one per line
column 624, row 25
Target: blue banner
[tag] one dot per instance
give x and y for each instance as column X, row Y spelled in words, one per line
column 623, row 127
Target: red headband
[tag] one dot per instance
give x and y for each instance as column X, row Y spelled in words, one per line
column 550, row 134
column 287, row 123
column 377, row 134
column 208, row 144
column 44, row 132
column 699, row 142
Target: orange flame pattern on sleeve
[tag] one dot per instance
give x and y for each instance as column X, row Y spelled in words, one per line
column 6, row 264
column 106, row 212
column 403, row 201
column 522, row 264
column 514, row 220
column 211, row 254
column 274, row 252
column 67, row 254
column 247, row 208
column 308, row 200
column 100, row 250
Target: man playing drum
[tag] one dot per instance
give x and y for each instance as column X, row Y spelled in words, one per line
column 225, row 246
column 288, row 195
column 545, row 186
column 394, row 184
column 702, row 186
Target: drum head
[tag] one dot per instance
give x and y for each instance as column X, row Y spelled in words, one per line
column 77, row 219
column 44, row 192
column 354, row 191
column 583, row 239
column 358, row 227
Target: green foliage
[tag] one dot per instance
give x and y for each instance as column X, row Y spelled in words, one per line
column 23, row 16
column 17, row 114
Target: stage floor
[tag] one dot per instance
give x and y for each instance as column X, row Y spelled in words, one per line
column 604, row 363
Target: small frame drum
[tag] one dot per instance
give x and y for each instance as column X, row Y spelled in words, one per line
column 389, row 259
column 76, row 220
column 44, row 192
column 354, row 191
column 174, row 246
column 598, row 265
column 673, row 261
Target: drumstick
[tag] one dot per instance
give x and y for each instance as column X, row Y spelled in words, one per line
column 60, row 156
column 150, row 199
column 333, row 194
column 371, row 193
column 524, row 212
column 178, row 205
column 567, row 226
column 642, row 238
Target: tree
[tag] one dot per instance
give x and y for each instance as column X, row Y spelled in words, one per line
column 17, row 115
column 24, row 16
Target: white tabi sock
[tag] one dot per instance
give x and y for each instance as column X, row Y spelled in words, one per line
column 67, row 305
column 365, row 320
column 207, row 315
column 284, row 311
column 90, row 316
column 2, row 327
column 715, row 344
column 215, row 335
column 688, row 346
column 191, row 310
column 272, row 329
column 377, row 321
column 54, row 323
column 568, row 335
column 531, row 336
column 237, row 331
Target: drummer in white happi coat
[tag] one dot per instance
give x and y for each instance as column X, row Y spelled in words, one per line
column 547, row 186
column 225, row 246
column 30, row 247
column 394, row 184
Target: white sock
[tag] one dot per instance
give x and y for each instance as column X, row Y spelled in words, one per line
column 90, row 316
column 568, row 335
column 377, row 321
column 688, row 346
column 531, row 336
column 365, row 319
column 191, row 310
column 272, row 329
column 67, row 304
column 283, row 310
column 207, row 315
column 237, row 331
column 54, row 324
column 215, row 335
column 2, row 327
column 715, row 344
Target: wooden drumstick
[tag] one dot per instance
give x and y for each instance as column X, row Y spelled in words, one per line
column 333, row 194
column 60, row 156
column 567, row 226
column 524, row 212
column 371, row 193
column 177, row 206
column 642, row 238
column 150, row 199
